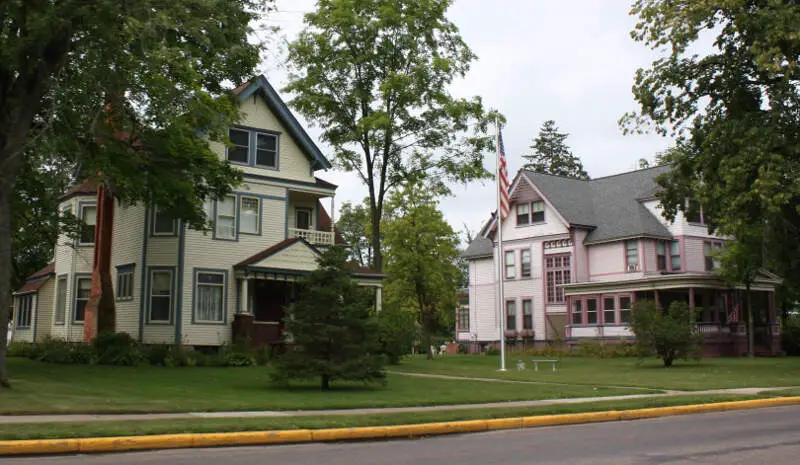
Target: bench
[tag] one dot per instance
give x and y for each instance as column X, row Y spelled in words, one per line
column 553, row 363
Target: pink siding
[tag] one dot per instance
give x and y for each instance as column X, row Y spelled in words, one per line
column 649, row 259
column 606, row 259
column 694, row 257
column 580, row 257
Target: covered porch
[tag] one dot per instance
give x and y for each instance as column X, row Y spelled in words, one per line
column 600, row 310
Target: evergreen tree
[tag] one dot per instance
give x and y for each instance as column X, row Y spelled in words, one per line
column 551, row 155
column 332, row 329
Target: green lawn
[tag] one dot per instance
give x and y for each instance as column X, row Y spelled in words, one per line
column 710, row 373
column 136, row 428
column 51, row 388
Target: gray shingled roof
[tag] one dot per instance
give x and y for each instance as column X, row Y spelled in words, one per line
column 609, row 206
column 480, row 247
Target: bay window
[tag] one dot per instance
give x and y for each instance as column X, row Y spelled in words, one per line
column 632, row 255
column 577, row 312
column 675, row 255
column 625, row 306
column 661, row 255
column 82, row 292
column 161, row 291
column 609, row 310
column 591, row 311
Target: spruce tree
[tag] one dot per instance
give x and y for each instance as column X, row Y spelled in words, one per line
column 551, row 155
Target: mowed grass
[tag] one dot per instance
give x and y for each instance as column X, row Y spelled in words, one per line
column 709, row 373
column 219, row 425
column 40, row 388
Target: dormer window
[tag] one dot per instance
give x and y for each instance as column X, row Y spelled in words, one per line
column 253, row 147
column 523, row 214
column 538, row 212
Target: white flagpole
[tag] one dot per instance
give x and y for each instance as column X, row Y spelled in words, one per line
column 500, row 258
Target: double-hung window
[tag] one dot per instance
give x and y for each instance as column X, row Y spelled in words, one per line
column 661, row 255
column 710, row 256
column 225, row 222
column 527, row 314
column 160, row 296
column 632, row 255
column 163, row 223
column 24, row 310
column 266, row 150
column 523, row 214
column 609, row 310
column 557, row 272
column 61, row 301
column 82, row 292
column 511, row 267
column 511, row 315
column 591, row 311
column 249, row 210
column 239, row 151
column 210, row 297
column 254, row 148
column 125, row 282
column 525, row 259
column 675, row 255
column 462, row 319
column 625, row 308
column 577, row 312
column 537, row 209
column 89, row 218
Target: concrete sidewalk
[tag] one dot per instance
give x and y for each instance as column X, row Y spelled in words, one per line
column 19, row 419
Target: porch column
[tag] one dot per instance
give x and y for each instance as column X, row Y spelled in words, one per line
column 378, row 298
column 691, row 305
column 244, row 295
column 333, row 218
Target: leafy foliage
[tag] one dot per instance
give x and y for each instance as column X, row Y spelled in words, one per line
column 551, row 154
column 734, row 112
column 124, row 90
column 333, row 332
column 422, row 250
column 354, row 225
column 790, row 335
column 398, row 332
column 374, row 75
column 118, row 349
column 668, row 334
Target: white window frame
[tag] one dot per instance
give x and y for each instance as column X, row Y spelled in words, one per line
column 82, row 212
column 242, row 215
column 631, row 255
column 528, row 315
column 223, row 287
column 171, row 296
column 511, row 305
column 555, row 276
column 677, row 245
column 25, row 311
column 522, row 255
column 613, row 310
column 125, row 280
column 60, row 312
column 81, row 299
column 277, row 139
column 173, row 225
column 217, row 215
column 624, row 313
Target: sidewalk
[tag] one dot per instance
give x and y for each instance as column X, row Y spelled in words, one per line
column 19, row 419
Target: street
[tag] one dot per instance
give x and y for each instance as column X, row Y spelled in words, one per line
column 731, row 438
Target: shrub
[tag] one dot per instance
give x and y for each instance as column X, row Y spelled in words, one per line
column 156, row 353
column 668, row 334
column 55, row 350
column 790, row 335
column 21, row 349
column 118, row 349
column 397, row 332
column 263, row 355
column 492, row 351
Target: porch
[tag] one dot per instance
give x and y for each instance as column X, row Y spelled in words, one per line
column 600, row 311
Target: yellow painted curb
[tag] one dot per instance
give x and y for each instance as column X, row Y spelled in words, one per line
column 177, row 441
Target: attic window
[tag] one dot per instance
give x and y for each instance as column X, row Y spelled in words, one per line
column 253, row 147
column 538, row 212
column 240, row 151
column 523, row 214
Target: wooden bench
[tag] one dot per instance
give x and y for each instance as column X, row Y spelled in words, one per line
column 553, row 363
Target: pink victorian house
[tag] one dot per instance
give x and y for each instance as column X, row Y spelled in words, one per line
column 578, row 254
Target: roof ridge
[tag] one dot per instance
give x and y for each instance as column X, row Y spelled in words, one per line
column 629, row 172
column 556, row 175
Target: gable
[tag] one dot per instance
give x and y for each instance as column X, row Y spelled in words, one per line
column 294, row 255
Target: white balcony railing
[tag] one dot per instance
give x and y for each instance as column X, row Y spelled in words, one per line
column 312, row 236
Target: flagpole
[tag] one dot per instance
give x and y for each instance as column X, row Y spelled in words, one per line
column 500, row 256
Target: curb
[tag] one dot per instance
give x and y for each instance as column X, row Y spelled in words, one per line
column 181, row 441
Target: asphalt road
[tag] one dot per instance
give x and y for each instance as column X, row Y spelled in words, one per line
column 745, row 437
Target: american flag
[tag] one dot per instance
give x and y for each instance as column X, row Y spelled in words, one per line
column 502, row 176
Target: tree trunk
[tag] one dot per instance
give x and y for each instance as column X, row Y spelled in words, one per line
column 10, row 163
column 750, row 335
column 377, row 254
column 325, row 383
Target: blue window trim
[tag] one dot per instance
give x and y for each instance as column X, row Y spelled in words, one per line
column 235, row 223
column 153, row 232
column 127, row 268
column 74, row 299
column 143, row 277
column 81, row 205
column 252, row 141
column 172, row 287
column 179, row 283
column 64, row 276
column 225, row 284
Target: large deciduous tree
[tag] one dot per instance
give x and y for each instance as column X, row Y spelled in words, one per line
column 125, row 90
column 354, row 225
column 422, row 250
column 374, row 74
column 551, row 155
column 734, row 109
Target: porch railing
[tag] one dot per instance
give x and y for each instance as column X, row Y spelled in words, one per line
column 711, row 328
column 313, row 236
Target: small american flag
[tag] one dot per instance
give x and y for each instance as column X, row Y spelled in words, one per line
column 502, row 175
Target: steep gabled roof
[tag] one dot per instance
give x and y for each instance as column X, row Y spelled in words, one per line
column 38, row 279
column 610, row 206
column 278, row 107
column 273, row 250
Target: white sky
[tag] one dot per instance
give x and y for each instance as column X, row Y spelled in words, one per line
column 572, row 61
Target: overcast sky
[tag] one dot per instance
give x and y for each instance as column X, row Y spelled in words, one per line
column 572, row 61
